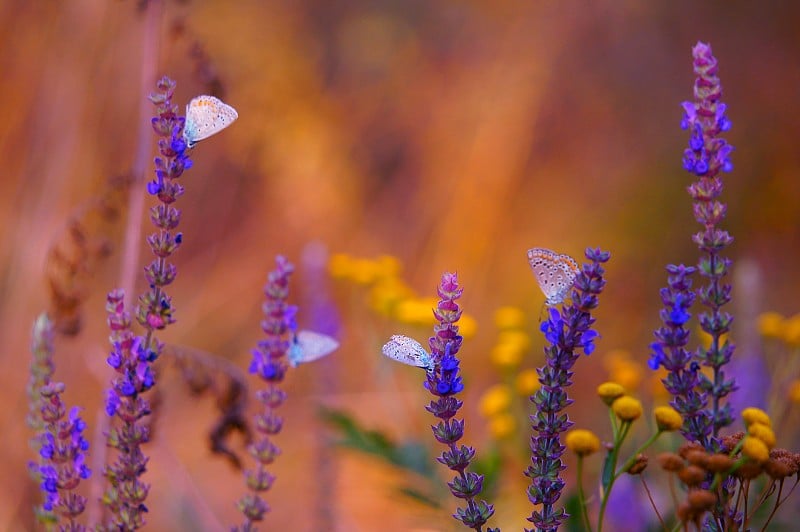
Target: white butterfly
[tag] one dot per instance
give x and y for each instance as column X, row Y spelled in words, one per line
column 308, row 345
column 205, row 116
column 408, row 351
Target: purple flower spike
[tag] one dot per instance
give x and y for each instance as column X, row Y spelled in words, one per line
column 269, row 363
column 444, row 382
column 568, row 332
column 707, row 156
column 62, row 449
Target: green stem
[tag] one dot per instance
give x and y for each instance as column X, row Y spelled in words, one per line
column 582, row 496
column 616, row 474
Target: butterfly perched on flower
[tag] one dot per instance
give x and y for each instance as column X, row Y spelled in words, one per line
column 206, row 116
column 555, row 273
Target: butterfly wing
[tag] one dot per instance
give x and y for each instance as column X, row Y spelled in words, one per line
column 206, row 116
column 408, row 351
column 555, row 273
column 309, row 345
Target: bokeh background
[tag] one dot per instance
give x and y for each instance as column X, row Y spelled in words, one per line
column 450, row 135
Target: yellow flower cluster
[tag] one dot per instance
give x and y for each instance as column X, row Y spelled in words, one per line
column 512, row 341
column 495, row 406
column 775, row 326
column 760, row 437
column 389, row 295
column 629, row 409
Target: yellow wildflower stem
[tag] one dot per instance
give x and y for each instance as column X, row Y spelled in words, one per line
column 582, row 496
column 628, row 463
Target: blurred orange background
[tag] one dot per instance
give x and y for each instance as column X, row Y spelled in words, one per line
column 453, row 135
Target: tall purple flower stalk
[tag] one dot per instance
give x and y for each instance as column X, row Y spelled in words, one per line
column 568, row 332
column 444, row 382
column 59, row 441
column 669, row 350
column 708, row 155
column 269, row 363
column 63, row 453
column 132, row 356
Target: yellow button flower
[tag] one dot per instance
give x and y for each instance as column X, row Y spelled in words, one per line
column 509, row 318
column 387, row 266
column 771, row 325
column 610, row 391
column 502, row 426
column 495, row 400
column 755, row 449
column 763, row 433
column 791, row 334
column 416, row 311
column 339, row 265
column 506, row 356
column 582, row 442
column 627, row 408
column 667, row 418
column 755, row 415
column 519, row 339
column 386, row 294
column 527, row 382
column 363, row 271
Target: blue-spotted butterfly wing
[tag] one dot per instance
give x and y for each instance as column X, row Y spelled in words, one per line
column 308, row 346
column 206, row 116
column 408, row 351
column 555, row 273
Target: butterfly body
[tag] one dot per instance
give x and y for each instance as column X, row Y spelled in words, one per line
column 555, row 273
column 206, row 116
column 308, row 346
column 408, row 351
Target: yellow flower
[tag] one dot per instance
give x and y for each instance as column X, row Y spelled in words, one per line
column 610, row 391
column 628, row 374
column 527, row 382
column 363, row 271
column 467, row 326
column 755, row 449
column 755, row 415
column 387, row 293
column 667, row 418
column 416, row 311
column 339, row 265
column 387, row 266
column 794, row 391
column 791, row 333
column 771, row 325
column 520, row 339
column 763, row 433
column 495, row 400
column 506, row 356
column 502, row 426
column 582, row 442
column 509, row 318
column 627, row 408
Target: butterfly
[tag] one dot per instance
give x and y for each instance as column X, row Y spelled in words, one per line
column 555, row 273
column 205, row 116
column 308, row 345
column 408, row 351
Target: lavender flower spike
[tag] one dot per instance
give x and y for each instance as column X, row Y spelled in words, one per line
column 669, row 350
column 708, row 155
column 63, row 456
column 132, row 356
column 444, row 382
column 567, row 332
column 269, row 363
